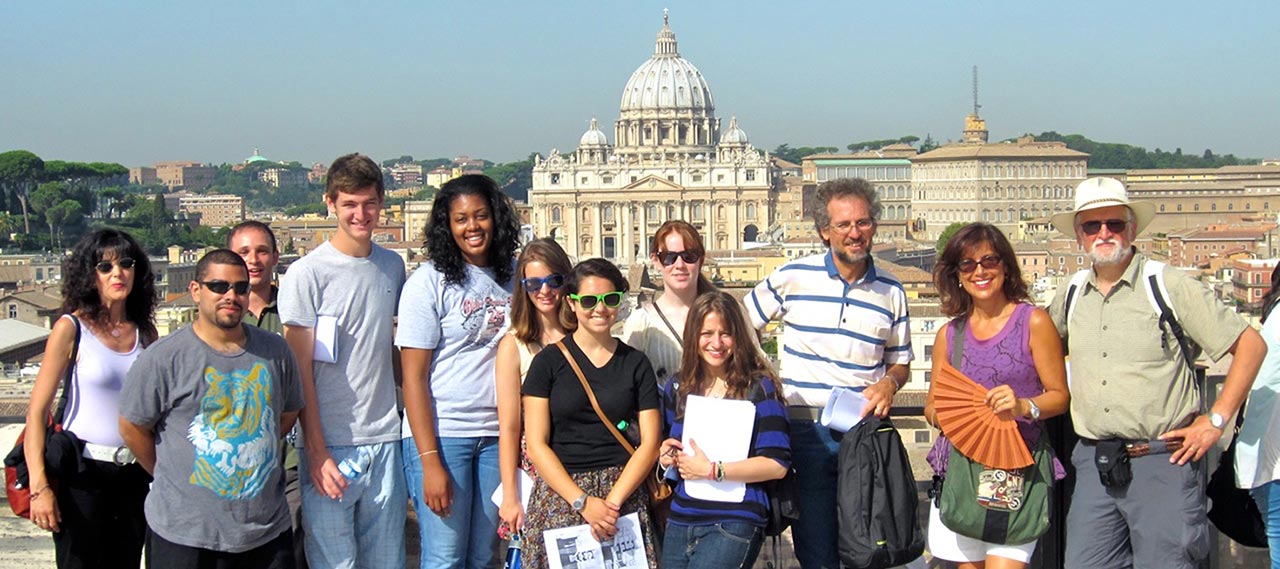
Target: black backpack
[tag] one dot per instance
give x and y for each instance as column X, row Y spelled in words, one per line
column 877, row 499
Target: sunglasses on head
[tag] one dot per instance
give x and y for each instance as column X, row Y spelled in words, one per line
column 1113, row 225
column 668, row 258
column 589, row 301
column 967, row 266
column 221, row 287
column 104, row 267
column 534, row 284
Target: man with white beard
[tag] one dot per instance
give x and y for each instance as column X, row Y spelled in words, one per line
column 1133, row 392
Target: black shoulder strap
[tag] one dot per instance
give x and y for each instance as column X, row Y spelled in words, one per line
column 66, row 375
column 674, row 332
column 1166, row 318
column 957, row 341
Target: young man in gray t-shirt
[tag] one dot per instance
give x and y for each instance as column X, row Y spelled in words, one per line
column 338, row 306
column 204, row 410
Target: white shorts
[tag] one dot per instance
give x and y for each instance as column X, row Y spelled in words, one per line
column 951, row 546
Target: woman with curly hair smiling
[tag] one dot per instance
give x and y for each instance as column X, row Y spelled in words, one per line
column 108, row 305
column 453, row 312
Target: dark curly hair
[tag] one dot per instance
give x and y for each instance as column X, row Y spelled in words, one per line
column 80, row 281
column 1272, row 297
column 946, row 273
column 503, row 243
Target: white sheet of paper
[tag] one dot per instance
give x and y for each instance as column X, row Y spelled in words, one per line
column 574, row 548
column 843, row 410
column 524, row 482
column 326, row 345
column 722, row 428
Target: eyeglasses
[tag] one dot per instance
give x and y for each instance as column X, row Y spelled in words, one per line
column 1113, row 225
column 668, row 258
column 847, row 226
column 221, row 287
column 967, row 266
column 534, row 284
column 124, row 263
column 589, row 301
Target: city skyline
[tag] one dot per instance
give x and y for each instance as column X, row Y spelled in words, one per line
column 140, row 84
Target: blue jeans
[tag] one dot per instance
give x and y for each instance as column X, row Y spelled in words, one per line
column 1268, row 498
column 364, row 528
column 726, row 544
column 814, row 452
column 468, row 537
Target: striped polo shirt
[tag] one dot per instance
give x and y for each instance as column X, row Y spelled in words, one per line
column 834, row 333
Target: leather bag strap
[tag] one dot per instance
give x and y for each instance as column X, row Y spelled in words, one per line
column 592, row 396
column 657, row 310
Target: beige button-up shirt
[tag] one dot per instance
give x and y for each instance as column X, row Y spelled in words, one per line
column 1128, row 376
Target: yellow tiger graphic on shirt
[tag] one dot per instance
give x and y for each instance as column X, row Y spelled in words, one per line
column 234, row 433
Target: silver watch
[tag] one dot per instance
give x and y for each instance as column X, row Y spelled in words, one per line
column 579, row 503
column 1035, row 409
column 1218, row 421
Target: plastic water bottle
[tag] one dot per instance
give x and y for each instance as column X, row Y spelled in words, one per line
column 513, row 553
column 353, row 466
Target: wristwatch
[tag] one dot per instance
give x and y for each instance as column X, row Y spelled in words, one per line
column 1218, row 421
column 1035, row 409
column 579, row 503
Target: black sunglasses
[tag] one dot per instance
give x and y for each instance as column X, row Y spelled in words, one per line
column 589, row 301
column 104, row 267
column 1113, row 225
column 534, row 284
column 967, row 266
column 668, row 258
column 221, row 287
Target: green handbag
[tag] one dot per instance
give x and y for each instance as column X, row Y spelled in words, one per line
column 998, row 506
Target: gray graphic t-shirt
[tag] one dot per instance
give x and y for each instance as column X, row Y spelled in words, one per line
column 218, row 483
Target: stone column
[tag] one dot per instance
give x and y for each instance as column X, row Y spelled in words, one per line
column 624, row 233
column 597, row 239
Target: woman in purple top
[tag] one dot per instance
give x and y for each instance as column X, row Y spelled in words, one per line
column 1011, row 348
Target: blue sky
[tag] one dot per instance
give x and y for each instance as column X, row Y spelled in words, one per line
column 136, row 82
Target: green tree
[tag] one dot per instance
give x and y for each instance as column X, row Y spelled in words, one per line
column 19, row 172
column 947, row 234
column 67, row 213
column 515, row 178
column 45, row 198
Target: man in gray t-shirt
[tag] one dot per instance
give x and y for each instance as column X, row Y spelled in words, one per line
column 204, row 410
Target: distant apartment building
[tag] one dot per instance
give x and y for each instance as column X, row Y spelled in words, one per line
column 185, row 175
column 998, row 183
column 416, row 214
column 468, row 163
column 889, row 171
column 1198, row 246
column 317, row 173
column 1191, row 198
column 406, row 174
column 283, row 177
column 217, row 210
column 438, row 176
column 1251, row 278
column 142, row 175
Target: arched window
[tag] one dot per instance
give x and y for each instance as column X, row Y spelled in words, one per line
column 720, row 212
column 751, row 210
column 607, row 213
column 586, row 214
column 653, row 212
column 555, row 214
column 696, row 212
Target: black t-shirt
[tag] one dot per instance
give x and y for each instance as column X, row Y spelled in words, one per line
column 624, row 387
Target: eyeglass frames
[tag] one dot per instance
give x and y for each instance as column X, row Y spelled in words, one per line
column 534, row 284
column 988, row 262
column 1113, row 225
column 221, row 287
column 104, row 267
column 845, row 227
column 589, row 301
column 668, row 258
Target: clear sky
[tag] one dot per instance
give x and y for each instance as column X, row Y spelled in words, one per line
column 140, row 82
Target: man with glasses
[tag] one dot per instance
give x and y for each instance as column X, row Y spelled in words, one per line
column 844, row 327
column 1131, row 385
column 203, row 410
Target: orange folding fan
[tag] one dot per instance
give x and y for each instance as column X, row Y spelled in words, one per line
column 972, row 427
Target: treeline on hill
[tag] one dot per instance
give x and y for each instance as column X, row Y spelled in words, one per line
column 786, row 152
column 48, row 205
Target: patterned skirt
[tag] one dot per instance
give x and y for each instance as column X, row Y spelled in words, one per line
column 547, row 510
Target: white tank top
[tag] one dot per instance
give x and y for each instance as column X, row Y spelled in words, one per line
column 93, row 405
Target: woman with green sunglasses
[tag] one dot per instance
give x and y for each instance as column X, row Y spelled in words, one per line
column 585, row 474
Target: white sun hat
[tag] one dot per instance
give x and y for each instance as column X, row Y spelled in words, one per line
column 1094, row 193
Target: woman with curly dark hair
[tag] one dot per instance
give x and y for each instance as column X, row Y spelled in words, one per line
column 453, row 312
column 1011, row 348
column 108, row 304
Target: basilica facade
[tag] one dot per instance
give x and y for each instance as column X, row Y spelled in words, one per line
column 670, row 159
